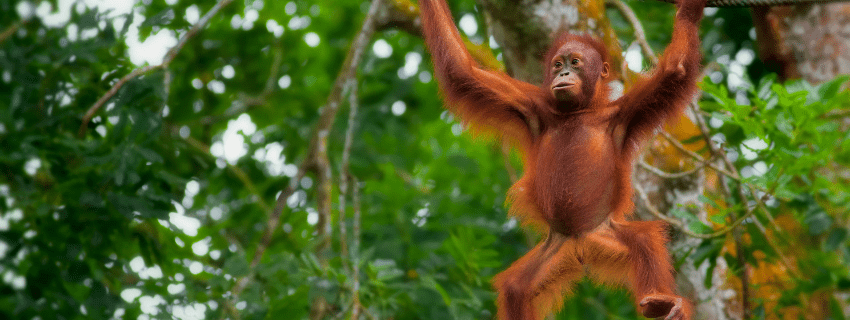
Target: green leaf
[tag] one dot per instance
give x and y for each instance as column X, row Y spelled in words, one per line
column 682, row 213
column 829, row 89
column 707, row 200
column 720, row 216
column 699, row 227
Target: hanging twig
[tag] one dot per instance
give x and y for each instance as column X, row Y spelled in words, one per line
column 323, row 196
column 355, row 273
column 783, row 259
column 172, row 53
column 345, row 173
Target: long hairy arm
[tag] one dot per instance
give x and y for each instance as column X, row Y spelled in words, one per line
column 491, row 102
column 673, row 82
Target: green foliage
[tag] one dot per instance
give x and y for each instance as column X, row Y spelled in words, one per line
column 144, row 215
column 788, row 141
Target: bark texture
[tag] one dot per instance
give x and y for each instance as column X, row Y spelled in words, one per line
column 805, row 41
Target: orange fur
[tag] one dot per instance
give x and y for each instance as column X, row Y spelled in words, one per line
column 578, row 148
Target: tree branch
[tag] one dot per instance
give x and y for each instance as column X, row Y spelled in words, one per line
column 637, row 26
column 678, row 224
column 109, row 94
column 172, row 53
column 10, row 31
column 404, row 15
column 355, row 273
column 675, row 142
column 667, row 175
column 345, row 173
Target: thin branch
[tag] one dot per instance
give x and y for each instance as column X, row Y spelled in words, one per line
column 668, row 175
column 832, row 114
column 109, row 94
column 10, row 31
column 717, row 151
column 345, row 173
column 144, row 70
column 355, row 273
column 745, row 277
column 762, row 206
column 678, row 224
column 409, row 179
column 324, row 190
column 196, row 28
column 675, row 142
column 637, row 26
column 166, row 85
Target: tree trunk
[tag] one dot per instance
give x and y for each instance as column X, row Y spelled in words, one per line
column 525, row 28
column 806, row 41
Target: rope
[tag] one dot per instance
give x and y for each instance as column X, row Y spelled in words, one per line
column 757, row 3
